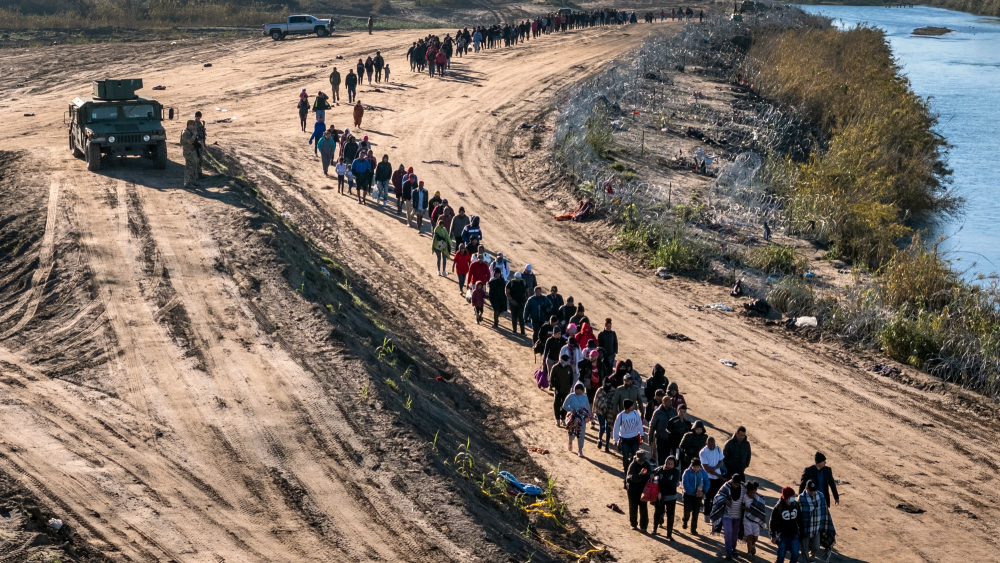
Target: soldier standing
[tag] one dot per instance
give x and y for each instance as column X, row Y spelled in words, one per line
column 202, row 135
column 191, row 147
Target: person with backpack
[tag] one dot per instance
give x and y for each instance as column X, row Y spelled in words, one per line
column 668, row 479
column 318, row 129
column 441, row 245
column 785, row 526
column 637, row 475
column 320, row 105
column 604, row 410
column 460, row 265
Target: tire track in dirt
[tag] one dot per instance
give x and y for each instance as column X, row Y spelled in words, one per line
column 31, row 298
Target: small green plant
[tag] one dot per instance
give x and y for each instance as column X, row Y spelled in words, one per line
column 679, row 254
column 392, row 384
column 628, row 175
column 776, row 259
column 385, row 351
column 792, row 296
column 618, row 167
column 434, row 444
column 409, row 402
column 600, row 137
column 690, row 213
column 365, row 391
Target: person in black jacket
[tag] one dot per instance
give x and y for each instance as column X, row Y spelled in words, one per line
column 607, row 339
column 517, row 294
column 567, row 311
column 555, row 302
column 668, row 477
column 379, row 63
column 383, row 173
column 678, row 426
column 655, row 383
column 553, row 346
column 639, row 472
column 351, row 82
column 785, row 526
column 823, row 476
column 498, row 297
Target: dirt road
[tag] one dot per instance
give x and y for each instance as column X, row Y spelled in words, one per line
column 187, row 443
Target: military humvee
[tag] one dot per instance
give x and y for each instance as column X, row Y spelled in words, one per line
column 116, row 121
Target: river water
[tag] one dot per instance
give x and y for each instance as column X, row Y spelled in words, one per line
column 959, row 73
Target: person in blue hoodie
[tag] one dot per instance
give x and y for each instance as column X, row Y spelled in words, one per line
column 361, row 167
column 695, row 483
column 318, row 129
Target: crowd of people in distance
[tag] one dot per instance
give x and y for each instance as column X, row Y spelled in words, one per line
column 667, row 455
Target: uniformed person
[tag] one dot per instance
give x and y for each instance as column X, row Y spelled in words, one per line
column 202, row 135
column 190, row 147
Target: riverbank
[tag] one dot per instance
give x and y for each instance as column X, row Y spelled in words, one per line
column 846, row 192
column 978, row 7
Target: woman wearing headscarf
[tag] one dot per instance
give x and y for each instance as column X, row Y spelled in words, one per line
column 753, row 518
column 636, row 477
column 577, row 408
column 668, row 478
column 441, row 244
column 727, row 512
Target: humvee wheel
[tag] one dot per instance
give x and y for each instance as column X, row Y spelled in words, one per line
column 160, row 155
column 93, row 157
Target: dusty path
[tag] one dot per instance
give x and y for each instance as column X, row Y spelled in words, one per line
column 893, row 444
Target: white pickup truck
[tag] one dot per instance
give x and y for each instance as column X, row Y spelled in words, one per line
column 299, row 25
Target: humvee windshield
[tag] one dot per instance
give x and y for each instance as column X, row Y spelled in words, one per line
column 138, row 112
column 100, row 113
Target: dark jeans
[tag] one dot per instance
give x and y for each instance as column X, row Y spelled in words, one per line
column 517, row 316
column 668, row 506
column 461, row 282
column 496, row 315
column 713, row 489
column 352, row 91
column 636, row 505
column 557, row 406
column 692, row 506
column 790, row 544
column 628, row 447
column 662, row 451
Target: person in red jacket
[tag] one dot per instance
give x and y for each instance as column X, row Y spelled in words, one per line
column 460, row 265
column 442, row 61
column 479, row 301
column 479, row 271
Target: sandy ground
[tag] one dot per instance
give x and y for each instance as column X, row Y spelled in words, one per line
column 149, row 462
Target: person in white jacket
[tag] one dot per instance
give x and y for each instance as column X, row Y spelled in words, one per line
column 627, row 433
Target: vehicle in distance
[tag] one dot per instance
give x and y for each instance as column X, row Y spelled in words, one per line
column 302, row 24
column 117, row 122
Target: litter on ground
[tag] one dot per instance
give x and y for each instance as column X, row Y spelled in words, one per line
column 528, row 489
column 728, row 363
column 719, row 307
column 805, row 321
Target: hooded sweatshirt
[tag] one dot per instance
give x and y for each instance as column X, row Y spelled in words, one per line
column 737, row 455
column 458, row 224
column 585, row 335
column 472, row 230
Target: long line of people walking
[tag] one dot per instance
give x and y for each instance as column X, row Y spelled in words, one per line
column 591, row 387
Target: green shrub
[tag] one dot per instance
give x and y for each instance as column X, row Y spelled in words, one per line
column 792, row 297
column 600, row 137
column 775, row 259
column 618, row 167
column 679, row 254
column 913, row 339
column 921, row 277
column 689, row 213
